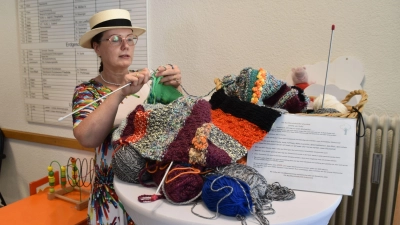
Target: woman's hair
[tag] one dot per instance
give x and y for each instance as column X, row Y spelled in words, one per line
column 97, row 39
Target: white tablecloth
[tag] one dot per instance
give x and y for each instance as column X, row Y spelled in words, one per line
column 308, row 208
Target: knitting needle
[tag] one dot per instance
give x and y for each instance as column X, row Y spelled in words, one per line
column 61, row 118
column 327, row 65
column 154, row 197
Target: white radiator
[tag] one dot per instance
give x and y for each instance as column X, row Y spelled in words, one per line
column 376, row 174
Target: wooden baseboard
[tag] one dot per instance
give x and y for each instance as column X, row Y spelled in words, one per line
column 45, row 139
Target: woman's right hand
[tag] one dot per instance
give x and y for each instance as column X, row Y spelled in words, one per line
column 137, row 80
column 92, row 130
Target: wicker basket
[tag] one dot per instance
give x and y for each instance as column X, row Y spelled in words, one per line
column 352, row 110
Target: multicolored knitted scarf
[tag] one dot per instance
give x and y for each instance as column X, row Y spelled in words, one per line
column 196, row 133
column 191, row 130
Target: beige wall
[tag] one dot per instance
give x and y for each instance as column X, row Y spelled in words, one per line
column 209, row 39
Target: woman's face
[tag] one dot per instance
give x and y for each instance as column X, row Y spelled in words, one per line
column 115, row 56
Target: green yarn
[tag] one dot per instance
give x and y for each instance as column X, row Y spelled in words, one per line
column 161, row 93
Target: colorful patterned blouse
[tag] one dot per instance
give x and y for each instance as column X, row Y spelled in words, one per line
column 104, row 206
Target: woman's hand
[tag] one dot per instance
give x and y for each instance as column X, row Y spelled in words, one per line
column 137, row 80
column 171, row 75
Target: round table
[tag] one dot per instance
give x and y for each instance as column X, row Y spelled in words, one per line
column 308, row 208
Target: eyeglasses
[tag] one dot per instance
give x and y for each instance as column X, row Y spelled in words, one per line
column 116, row 40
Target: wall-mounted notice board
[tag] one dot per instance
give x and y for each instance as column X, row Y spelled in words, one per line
column 53, row 63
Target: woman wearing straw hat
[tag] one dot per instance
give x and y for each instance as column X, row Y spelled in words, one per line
column 113, row 38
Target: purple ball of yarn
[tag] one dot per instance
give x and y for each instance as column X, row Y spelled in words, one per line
column 184, row 187
column 236, row 192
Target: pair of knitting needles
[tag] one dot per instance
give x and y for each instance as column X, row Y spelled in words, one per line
column 327, row 65
column 105, row 96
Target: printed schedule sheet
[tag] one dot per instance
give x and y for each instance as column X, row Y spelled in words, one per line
column 309, row 153
column 52, row 62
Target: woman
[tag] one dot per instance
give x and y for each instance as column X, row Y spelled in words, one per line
column 113, row 39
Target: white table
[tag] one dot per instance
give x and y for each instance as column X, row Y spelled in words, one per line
column 308, row 208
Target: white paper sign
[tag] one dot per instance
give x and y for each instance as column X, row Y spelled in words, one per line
column 308, row 153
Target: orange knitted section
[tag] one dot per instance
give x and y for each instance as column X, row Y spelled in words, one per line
column 246, row 133
column 140, row 125
column 200, row 139
column 197, row 153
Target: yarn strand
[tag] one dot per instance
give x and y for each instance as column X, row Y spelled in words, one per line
column 212, row 90
column 359, row 123
column 193, row 171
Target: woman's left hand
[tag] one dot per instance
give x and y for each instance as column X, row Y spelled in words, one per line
column 171, row 75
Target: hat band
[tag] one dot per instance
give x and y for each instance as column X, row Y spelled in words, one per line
column 114, row 23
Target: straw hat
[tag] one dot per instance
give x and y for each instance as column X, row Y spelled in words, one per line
column 107, row 20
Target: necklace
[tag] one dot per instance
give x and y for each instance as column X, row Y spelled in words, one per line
column 108, row 81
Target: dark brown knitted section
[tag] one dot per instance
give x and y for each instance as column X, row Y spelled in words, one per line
column 295, row 105
column 261, row 116
column 295, row 102
column 300, row 94
column 271, row 101
column 216, row 156
column 178, row 150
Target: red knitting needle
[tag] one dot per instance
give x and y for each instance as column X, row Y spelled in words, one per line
column 327, row 65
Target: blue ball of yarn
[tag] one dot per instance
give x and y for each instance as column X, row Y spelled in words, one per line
column 216, row 187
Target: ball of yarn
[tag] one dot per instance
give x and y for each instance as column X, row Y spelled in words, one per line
column 127, row 164
column 234, row 192
column 184, row 188
column 330, row 101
